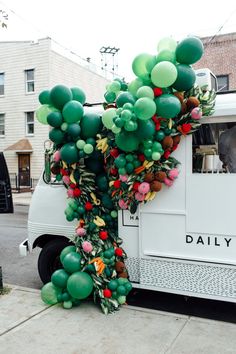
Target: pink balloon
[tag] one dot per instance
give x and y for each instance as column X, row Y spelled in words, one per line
column 196, row 113
column 70, row 193
column 173, row 174
column 87, row 247
column 144, row 188
column 66, row 179
column 57, row 156
column 168, row 182
column 81, row 231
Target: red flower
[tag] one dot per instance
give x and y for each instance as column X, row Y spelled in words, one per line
column 174, row 147
column 103, row 235
column 166, row 154
column 118, row 252
column 158, row 126
column 114, row 152
column 113, row 171
column 141, row 157
column 76, row 192
column 186, row 127
column 72, row 185
column 155, row 119
column 157, row 91
column 64, row 172
column 117, row 183
column 135, row 186
column 107, row 293
column 88, row 206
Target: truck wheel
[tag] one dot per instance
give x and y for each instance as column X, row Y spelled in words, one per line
column 49, row 258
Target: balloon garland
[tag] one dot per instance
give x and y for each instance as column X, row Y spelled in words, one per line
column 118, row 161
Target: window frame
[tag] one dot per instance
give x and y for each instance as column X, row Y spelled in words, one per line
column 226, row 76
column 27, row 124
column 3, row 75
column 29, row 81
column 4, row 125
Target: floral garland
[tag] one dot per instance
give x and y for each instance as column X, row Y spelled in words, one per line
column 115, row 162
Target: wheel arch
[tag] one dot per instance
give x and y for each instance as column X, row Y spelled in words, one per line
column 43, row 239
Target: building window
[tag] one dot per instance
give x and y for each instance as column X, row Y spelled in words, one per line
column 2, row 124
column 223, row 82
column 29, row 123
column 29, row 80
column 2, row 84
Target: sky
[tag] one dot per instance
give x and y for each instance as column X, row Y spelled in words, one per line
column 132, row 26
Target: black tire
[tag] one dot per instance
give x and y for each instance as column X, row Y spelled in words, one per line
column 49, row 258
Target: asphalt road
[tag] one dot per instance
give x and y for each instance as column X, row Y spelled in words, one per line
column 22, row 271
column 17, row 270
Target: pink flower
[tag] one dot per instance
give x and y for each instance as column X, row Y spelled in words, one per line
column 144, row 188
column 139, row 196
column 81, row 231
column 123, row 178
column 87, row 247
column 173, row 174
column 57, row 156
column 70, row 193
column 66, row 179
column 122, row 204
column 196, row 113
column 168, row 182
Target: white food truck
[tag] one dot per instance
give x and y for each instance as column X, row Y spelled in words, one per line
column 182, row 242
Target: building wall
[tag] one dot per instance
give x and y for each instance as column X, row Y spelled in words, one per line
column 220, row 56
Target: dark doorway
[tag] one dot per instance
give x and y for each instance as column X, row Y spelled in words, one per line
column 24, row 170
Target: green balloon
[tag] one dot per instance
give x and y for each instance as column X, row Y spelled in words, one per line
column 189, row 50
column 59, row 278
column 115, row 129
column 185, row 79
column 146, row 129
column 73, row 204
column 107, row 201
column 160, row 135
column 60, row 95
column 166, row 43
column 72, row 111
column 90, row 124
column 139, row 65
column 135, row 85
column 151, row 62
column 130, row 126
column 49, row 294
column 127, row 141
column 144, row 108
column 168, row 106
column 64, row 126
column 101, row 182
column 107, row 117
column 78, row 95
column 145, row 91
column 88, row 149
column 67, row 304
column 72, row 262
column 74, row 130
column 55, row 119
column 126, row 115
column 43, row 111
column 80, row 285
column 69, row 153
column 44, row 97
column 115, row 86
column 156, row 156
column 80, row 144
column 110, row 97
column 56, row 135
column 166, row 55
column 124, row 97
column 94, row 165
column 164, row 74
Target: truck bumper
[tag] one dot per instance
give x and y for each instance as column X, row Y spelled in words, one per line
column 24, row 248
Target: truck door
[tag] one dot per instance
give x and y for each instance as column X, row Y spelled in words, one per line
column 6, row 205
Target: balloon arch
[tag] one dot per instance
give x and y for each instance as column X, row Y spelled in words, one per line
column 117, row 161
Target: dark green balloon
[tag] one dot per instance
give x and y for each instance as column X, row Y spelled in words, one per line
column 91, row 124
column 189, row 50
column 168, row 106
column 110, row 97
column 185, row 79
column 69, row 153
column 127, row 141
column 74, row 130
column 146, row 129
column 124, row 97
column 102, row 182
column 44, row 97
column 59, row 278
column 107, row 201
column 72, row 111
column 55, row 119
column 72, row 262
column 160, row 135
column 78, row 95
column 80, row 285
column 60, row 95
column 56, row 135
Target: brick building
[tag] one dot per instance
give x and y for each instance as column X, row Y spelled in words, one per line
column 220, row 58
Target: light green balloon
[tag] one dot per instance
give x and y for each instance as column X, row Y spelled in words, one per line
column 135, row 85
column 166, row 55
column 144, row 108
column 43, row 111
column 115, row 129
column 166, row 43
column 80, row 144
column 151, row 62
column 145, row 91
column 156, row 156
column 49, row 293
column 115, row 87
column 139, row 65
column 107, row 117
column 164, row 74
column 88, row 148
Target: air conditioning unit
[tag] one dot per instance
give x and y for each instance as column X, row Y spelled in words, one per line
column 204, row 77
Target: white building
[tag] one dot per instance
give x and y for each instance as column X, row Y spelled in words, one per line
column 27, row 68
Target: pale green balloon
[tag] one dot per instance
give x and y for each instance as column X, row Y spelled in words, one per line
column 115, row 87
column 139, row 65
column 156, row 156
column 144, row 108
column 166, row 55
column 134, row 85
column 164, row 74
column 107, row 117
column 115, row 129
column 145, row 91
column 80, row 144
column 43, row 111
column 88, row 148
column 64, row 126
column 167, row 43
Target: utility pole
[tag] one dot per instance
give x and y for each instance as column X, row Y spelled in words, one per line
column 109, row 62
